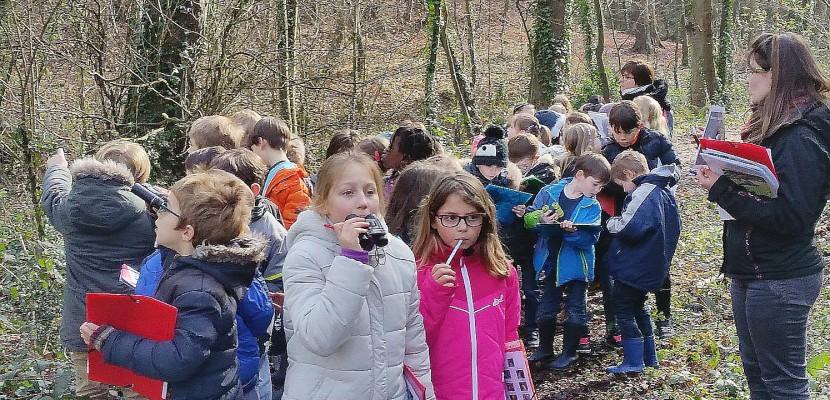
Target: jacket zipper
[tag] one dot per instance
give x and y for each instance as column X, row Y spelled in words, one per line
column 471, row 316
column 747, row 246
column 581, row 253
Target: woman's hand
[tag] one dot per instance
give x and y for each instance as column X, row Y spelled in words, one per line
column 443, row 275
column 87, row 329
column 705, row 177
column 348, row 232
column 520, row 210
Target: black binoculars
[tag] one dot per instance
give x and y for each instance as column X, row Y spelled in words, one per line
column 375, row 235
column 153, row 199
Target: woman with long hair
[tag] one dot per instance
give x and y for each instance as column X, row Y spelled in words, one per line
column 769, row 248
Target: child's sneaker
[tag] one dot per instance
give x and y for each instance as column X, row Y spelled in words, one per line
column 665, row 330
column 584, row 346
column 614, row 340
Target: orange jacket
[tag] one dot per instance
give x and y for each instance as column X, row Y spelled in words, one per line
column 288, row 190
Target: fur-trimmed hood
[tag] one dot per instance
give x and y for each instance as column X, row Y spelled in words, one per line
column 233, row 265
column 100, row 199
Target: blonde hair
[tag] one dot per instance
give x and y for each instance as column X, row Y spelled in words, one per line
column 332, row 170
column 215, row 130
column 216, row 204
column 564, row 101
column 526, row 123
column 522, row 146
column 246, row 119
column 652, row 114
column 129, row 154
column 472, row 192
column 296, row 151
column 576, row 117
column 629, row 160
column 577, row 140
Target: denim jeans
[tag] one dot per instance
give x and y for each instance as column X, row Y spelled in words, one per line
column 771, row 319
column 575, row 303
column 530, row 290
column 632, row 317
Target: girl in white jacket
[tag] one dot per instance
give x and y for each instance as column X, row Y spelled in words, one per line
column 351, row 315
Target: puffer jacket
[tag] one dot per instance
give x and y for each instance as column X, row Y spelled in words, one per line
column 200, row 362
column 467, row 326
column 645, row 236
column 574, row 259
column 285, row 185
column 775, row 238
column 351, row 327
column 103, row 225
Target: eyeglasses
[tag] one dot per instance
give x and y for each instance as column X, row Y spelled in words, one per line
column 163, row 209
column 753, row 70
column 452, row 220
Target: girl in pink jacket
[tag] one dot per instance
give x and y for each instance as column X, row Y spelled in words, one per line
column 469, row 291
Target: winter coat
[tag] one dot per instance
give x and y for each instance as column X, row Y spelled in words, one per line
column 521, row 243
column 657, row 90
column 103, row 224
column 775, row 238
column 286, row 187
column 645, row 236
column 499, row 180
column 351, row 327
column 467, row 327
column 200, row 362
column 574, row 260
column 264, row 222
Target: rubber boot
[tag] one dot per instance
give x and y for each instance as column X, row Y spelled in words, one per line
column 632, row 357
column 650, row 352
column 547, row 330
column 570, row 342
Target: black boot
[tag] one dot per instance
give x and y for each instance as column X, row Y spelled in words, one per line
column 547, row 330
column 570, row 342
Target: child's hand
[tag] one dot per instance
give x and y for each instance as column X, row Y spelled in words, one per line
column 57, row 159
column 348, row 232
column 87, row 329
column 550, row 217
column 568, row 226
column 520, row 210
column 444, row 275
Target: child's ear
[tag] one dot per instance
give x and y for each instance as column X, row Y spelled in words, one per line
column 255, row 189
column 188, row 233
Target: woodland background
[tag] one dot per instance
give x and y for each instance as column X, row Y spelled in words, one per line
column 76, row 73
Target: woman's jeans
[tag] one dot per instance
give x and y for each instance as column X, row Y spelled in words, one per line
column 771, row 319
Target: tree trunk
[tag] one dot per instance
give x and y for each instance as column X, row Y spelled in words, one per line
column 466, row 101
column 434, row 24
column 550, row 50
column 701, row 57
column 471, row 44
column 164, row 79
column 286, row 61
column 358, row 67
column 645, row 36
column 599, row 50
column 724, row 61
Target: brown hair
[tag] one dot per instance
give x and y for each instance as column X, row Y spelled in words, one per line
column 243, row 164
column 576, row 117
column 641, row 71
column 797, row 82
column 652, row 114
column 527, row 123
column 342, row 141
column 593, row 165
column 446, row 161
column 629, row 160
column 332, row 169
column 296, row 151
column 201, row 159
column 411, row 188
column 564, row 101
column 577, row 140
column 470, row 189
column 129, row 154
column 272, row 130
column 374, row 147
column 215, row 130
column 625, row 115
column 216, row 204
column 522, row 146
column 246, row 119
column 545, row 136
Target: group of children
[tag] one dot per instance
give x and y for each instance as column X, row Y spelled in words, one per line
column 389, row 261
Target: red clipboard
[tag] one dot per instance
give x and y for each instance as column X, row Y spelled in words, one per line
column 749, row 151
column 140, row 315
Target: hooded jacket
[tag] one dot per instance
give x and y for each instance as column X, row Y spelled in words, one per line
column 574, row 259
column 645, row 236
column 467, row 326
column 265, row 221
column 103, row 224
column 775, row 238
column 285, row 185
column 657, row 90
column 200, row 362
column 351, row 327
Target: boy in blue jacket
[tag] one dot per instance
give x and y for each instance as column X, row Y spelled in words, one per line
column 564, row 253
column 205, row 222
column 644, row 239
